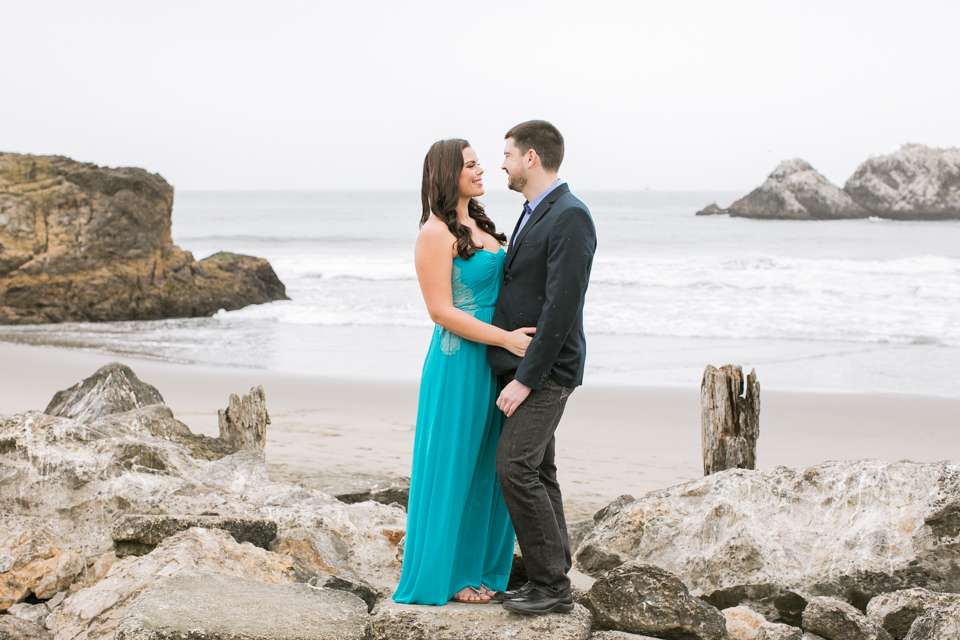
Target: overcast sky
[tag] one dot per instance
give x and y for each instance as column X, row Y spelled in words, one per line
column 327, row 95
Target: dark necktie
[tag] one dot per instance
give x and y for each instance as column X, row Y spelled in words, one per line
column 524, row 218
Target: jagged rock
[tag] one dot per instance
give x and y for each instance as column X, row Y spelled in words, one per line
column 743, row 623
column 39, row 567
column 896, row 611
column 114, row 388
column 618, row 635
column 772, row 601
column 347, row 581
column 56, row 600
column 942, row 622
column 711, row 210
column 196, row 605
column 613, row 508
column 645, row 599
column 139, row 534
column 243, row 424
column 775, row 631
column 13, row 628
column 837, row 620
column 888, row 526
column 80, row 242
column 35, row 613
column 95, row 612
column 357, row 487
column 6, row 562
column 915, row 183
column 457, row 621
column 79, row 479
column 795, row 191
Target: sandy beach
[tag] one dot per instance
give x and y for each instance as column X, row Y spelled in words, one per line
column 613, row 440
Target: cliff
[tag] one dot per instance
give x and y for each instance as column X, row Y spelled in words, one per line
column 80, row 242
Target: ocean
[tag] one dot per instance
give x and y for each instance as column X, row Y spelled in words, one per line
column 869, row 306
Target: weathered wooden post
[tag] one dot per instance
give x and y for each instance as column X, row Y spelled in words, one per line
column 730, row 418
column 244, row 422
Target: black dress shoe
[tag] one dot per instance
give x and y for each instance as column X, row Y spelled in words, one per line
column 503, row 596
column 535, row 602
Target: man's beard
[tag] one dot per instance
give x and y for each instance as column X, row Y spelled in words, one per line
column 517, row 182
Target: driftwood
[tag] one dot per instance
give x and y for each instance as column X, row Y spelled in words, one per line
column 730, row 418
column 244, row 422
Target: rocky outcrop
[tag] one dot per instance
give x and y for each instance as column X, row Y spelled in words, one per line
column 80, row 242
column 455, row 621
column 13, row 628
column 234, row 607
column 796, row 191
column 846, row 529
column 836, row 620
column 346, row 581
column 915, row 183
column 645, row 599
column 65, row 484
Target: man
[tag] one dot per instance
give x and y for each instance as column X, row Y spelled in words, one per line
column 546, row 272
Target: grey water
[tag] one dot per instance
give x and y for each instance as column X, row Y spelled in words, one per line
column 867, row 306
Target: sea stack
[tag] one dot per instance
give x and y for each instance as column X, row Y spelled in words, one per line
column 79, row 242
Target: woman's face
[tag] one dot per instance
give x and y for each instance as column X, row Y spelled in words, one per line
column 471, row 184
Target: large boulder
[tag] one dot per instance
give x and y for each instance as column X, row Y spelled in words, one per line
column 796, row 191
column 139, row 534
column 776, row 631
column 80, row 242
column 837, row 620
column 360, row 487
column 851, row 529
column 457, row 621
column 915, row 183
column 743, row 623
column 195, row 604
column 13, row 628
column 896, row 611
column 94, row 613
column 644, row 599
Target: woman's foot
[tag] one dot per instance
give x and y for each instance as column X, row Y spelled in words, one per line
column 471, row 595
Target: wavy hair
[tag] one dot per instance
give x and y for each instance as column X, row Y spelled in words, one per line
column 440, row 194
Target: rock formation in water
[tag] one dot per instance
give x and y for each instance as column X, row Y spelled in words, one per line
column 80, row 242
column 915, row 183
column 796, row 191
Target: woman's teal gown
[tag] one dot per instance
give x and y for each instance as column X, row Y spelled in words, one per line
column 458, row 530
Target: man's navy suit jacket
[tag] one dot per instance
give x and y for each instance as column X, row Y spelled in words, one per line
column 546, row 272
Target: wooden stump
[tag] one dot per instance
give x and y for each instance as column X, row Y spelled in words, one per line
column 730, row 418
column 244, row 422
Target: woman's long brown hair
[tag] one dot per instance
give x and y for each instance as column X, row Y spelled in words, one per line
column 440, row 195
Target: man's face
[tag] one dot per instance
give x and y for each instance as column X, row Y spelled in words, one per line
column 514, row 163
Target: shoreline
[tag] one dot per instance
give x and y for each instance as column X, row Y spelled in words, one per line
column 614, row 439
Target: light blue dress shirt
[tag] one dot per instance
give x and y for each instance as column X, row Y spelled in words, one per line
column 532, row 205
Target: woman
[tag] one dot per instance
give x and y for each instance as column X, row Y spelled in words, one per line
column 459, row 540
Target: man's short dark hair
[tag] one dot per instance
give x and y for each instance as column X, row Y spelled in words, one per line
column 542, row 137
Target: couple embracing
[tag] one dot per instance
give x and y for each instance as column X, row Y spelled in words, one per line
column 506, row 354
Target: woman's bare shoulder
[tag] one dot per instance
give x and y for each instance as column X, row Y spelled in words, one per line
column 434, row 230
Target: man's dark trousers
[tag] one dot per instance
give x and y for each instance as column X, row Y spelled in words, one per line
column 528, row 479
column 546, row 273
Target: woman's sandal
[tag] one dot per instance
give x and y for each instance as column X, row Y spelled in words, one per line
column 479, row 599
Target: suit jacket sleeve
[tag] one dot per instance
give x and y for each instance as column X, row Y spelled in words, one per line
column 570, row 249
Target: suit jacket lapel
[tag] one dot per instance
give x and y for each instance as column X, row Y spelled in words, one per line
column 535, row 217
